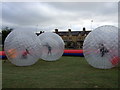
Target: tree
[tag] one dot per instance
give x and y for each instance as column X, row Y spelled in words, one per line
column 5, row 32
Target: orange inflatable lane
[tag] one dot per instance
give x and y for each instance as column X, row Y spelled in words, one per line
column 12, row 53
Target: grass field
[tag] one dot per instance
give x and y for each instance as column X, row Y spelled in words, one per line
column 0, row 49
column 0, row 74
column 68, row 72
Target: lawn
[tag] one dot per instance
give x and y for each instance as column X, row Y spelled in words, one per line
column 0, row 74
column 0, row 49
column 68, row 72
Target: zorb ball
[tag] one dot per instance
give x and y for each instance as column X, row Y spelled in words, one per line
column 21, row 48
column 52, row 46
column 101, row 47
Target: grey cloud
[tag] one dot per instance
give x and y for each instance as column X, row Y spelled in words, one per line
column 57, row 14
column 94, row 7
column 15, row 13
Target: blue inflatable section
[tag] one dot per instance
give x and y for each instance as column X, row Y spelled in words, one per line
column 73, row 54
column 2, row 57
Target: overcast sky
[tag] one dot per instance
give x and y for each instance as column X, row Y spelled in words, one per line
column 61, row 15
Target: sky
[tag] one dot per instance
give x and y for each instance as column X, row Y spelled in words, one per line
column 47, row 16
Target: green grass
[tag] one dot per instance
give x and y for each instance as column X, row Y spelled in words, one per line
column 0, row 49
column 0, row 74
column 68, row 72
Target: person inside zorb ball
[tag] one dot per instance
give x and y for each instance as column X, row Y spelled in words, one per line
column 21, row 48
column 100, row 47
column 52, row 46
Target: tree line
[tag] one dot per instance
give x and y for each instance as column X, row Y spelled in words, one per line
column 5, row 32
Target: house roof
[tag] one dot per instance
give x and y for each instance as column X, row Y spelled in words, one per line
column 66, row 33
column 73, row 33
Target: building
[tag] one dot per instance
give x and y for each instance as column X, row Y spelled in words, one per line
column 72, row 39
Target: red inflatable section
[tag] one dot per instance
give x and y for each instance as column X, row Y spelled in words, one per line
column 66, row 53
column 2, row 53
column 73, row 51
column 115, row 60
